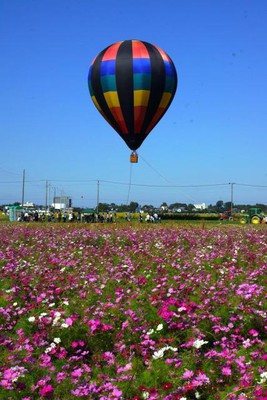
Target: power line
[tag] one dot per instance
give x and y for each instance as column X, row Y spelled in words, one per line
column 165, row 186
column 28, row 181
column 133, row 184
column 251, row 185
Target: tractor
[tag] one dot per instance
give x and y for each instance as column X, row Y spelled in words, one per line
column 254, row 215
column 227, row 215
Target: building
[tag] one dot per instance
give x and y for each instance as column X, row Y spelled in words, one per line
column 201, row 206
column 62, row 202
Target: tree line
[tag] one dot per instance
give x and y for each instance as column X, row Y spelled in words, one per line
column 219, row 207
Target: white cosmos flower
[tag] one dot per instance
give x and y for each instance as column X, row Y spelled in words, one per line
column 263, row 376
column 48, row 350
column 160, row 352
column 199, row 343
column 159, row 327
column 145, row 395
column 43, row 314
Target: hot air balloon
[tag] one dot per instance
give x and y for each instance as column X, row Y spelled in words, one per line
column 132, row 83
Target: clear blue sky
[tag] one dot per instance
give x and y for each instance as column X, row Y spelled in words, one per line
column 215, row 131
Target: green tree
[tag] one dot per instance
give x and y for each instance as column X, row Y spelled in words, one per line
column 219, row 205
column 103, row 207
column 133, row 206
column 190, row 207
column 227, row 205
column 175, row 206
column 148, row 208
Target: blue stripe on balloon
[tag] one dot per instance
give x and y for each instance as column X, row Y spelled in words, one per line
column 169, row 69
column 141, row 66
column 108, row 67
column 90, row 73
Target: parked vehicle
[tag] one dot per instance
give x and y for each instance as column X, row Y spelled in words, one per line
column 254, row 216
column 226, row 216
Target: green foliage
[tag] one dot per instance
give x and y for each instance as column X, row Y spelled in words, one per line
column 189, row 216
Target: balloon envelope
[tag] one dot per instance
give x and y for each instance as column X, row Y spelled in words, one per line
column 132, row 84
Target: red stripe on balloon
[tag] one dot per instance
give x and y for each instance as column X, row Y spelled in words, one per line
column 155, row 119
column 117, row 114
column 111, row 52
column 139, row 49
column 139, row 115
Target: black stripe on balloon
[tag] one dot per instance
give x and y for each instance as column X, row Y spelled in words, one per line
column 98, row 91
column 124, row 82
column 174, row 87
column 157, row 84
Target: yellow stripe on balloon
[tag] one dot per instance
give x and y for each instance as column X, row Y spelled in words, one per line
column 165, row 100
column 112, row 99
column 141, row 97
column 96, row 103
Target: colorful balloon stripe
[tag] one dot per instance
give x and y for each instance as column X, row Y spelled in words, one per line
column 141, row 66
column 111, row 52
column 141, row 81
column 108, row 67
column 139, row 50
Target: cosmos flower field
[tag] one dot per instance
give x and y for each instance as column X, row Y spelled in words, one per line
column 133, row 312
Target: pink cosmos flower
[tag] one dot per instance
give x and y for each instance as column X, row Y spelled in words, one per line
column 116, row 393
column 5, row 383
column 126, row 368
column 242, row 397
column 226, row 371
column 124, row 325
column 106, row 327
column 77, row 373
column 62, row 353
column 61, row 376
column 253, row 332
column 202, row 378
column 170, row 361
column 188, row 374
column 20, row 332
column 165, row 313
column 94, row 324
column 69, row 321
column 47, row 391
column 108, row 357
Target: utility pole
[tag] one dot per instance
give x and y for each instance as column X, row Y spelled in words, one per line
column 23, row 187
column 46, row 196
column 55, row 193
column 97, row 197
column 232, row 196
